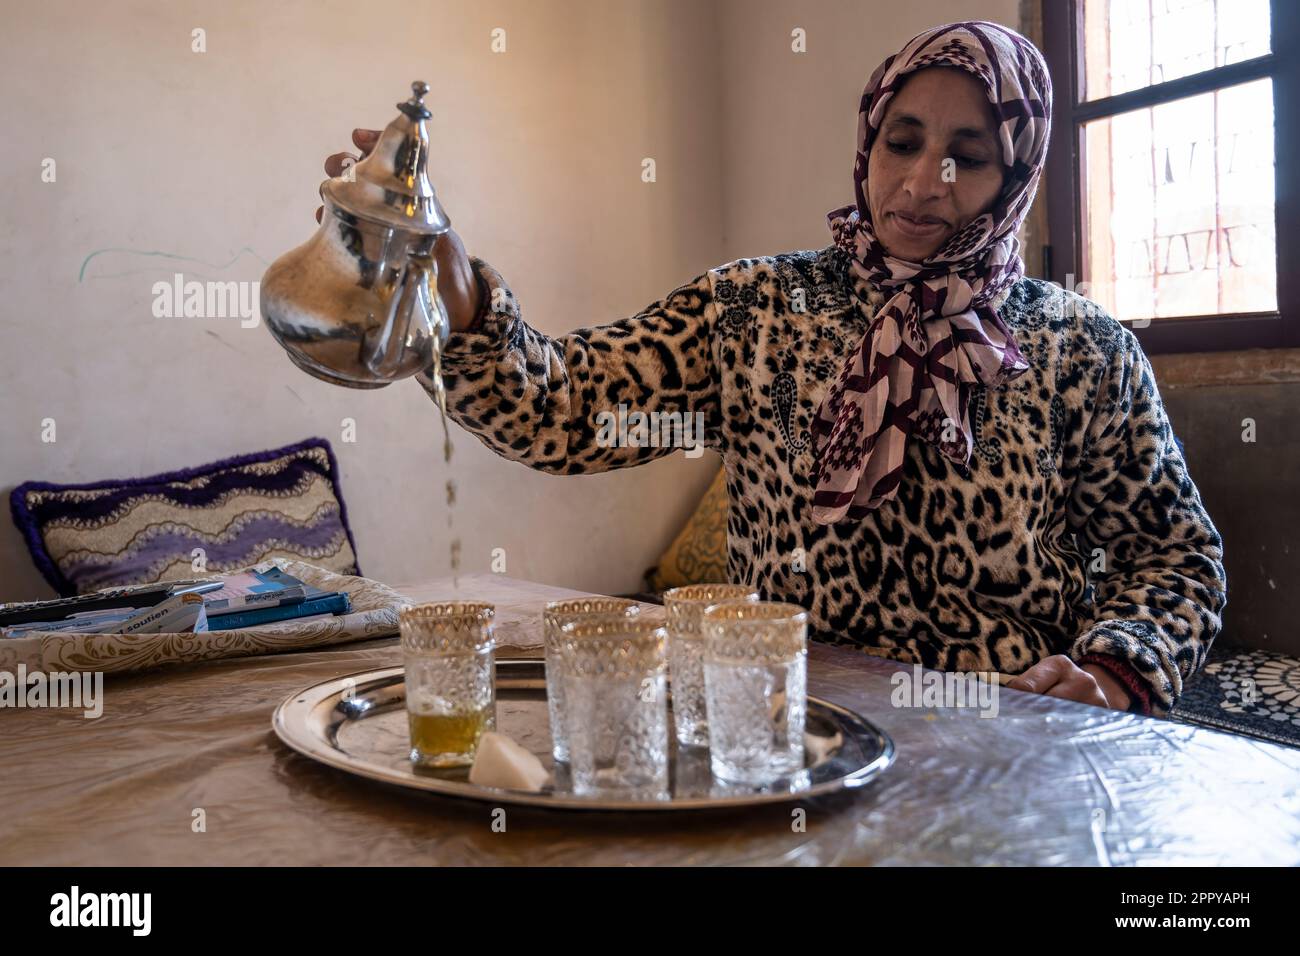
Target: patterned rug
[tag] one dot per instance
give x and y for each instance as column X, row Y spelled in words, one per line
column 1245, row 691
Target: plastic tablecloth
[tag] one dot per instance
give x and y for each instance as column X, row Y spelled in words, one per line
column 183, row 768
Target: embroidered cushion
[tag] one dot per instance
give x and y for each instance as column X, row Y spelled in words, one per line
column 217, row 517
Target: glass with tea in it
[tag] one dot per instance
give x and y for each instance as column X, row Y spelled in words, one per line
column 450, row 680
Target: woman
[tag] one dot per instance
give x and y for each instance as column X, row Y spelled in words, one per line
column 943, row 461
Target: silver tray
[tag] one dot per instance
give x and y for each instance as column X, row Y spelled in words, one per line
column 358, row 724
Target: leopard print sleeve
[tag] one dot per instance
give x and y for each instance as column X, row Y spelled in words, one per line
column 598, row 398
column 1159, row 584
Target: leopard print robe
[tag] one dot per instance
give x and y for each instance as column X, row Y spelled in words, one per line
column 1075, row 529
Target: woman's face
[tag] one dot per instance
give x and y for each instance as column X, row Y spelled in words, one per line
column 917, row 200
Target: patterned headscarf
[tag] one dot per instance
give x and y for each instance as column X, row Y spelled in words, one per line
column 937, row 336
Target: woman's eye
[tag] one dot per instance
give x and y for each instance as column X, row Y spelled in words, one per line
column 900, row 148
column 970, row 162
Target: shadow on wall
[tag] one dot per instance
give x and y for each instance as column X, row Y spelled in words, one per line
column 1249, row 490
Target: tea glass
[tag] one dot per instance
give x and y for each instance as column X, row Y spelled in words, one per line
column 614, row 671
column 554, row 617
column 756, row 683
column 684, row 607
column 450, row 679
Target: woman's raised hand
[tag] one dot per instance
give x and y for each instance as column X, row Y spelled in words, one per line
column 456, row 283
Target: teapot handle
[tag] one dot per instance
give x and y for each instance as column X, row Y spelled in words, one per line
column 415, row 314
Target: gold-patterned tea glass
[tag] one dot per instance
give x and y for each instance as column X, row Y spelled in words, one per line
column 555, row 615
column 450, row 680
column 615, row 674
column 756, row 682
column 684, row 607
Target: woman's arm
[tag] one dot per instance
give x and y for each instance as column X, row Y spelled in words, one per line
column 1159, row 598
column 572, row 404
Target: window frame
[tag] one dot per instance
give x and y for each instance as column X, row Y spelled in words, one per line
column 1062, row 47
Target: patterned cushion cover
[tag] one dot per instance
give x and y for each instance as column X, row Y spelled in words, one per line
column 280, row 503
column 698, row 555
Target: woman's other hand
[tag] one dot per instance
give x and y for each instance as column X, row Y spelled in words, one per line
column 1058, row 676
column 337, row 163
column 456, row 283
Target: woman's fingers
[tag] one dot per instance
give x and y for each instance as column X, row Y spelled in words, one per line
column 1043, row 676
column 1058, row 676
column 335, row 163
column 365, row 139
column 1084, row 690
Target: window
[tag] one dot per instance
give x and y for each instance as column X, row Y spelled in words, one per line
column 1172, row 181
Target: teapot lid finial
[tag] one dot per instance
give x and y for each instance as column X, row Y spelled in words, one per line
column 391, row 185
column 414, row 107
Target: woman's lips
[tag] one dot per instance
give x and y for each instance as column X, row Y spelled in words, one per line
column 923, row 227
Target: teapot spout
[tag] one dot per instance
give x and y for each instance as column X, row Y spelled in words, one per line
column 403, row 344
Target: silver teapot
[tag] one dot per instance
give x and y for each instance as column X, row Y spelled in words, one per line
column 357, row 304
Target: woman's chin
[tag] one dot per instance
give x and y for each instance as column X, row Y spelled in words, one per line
column 909, row 249
column 913, row 251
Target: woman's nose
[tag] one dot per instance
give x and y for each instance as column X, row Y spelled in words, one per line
column 928, row 177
